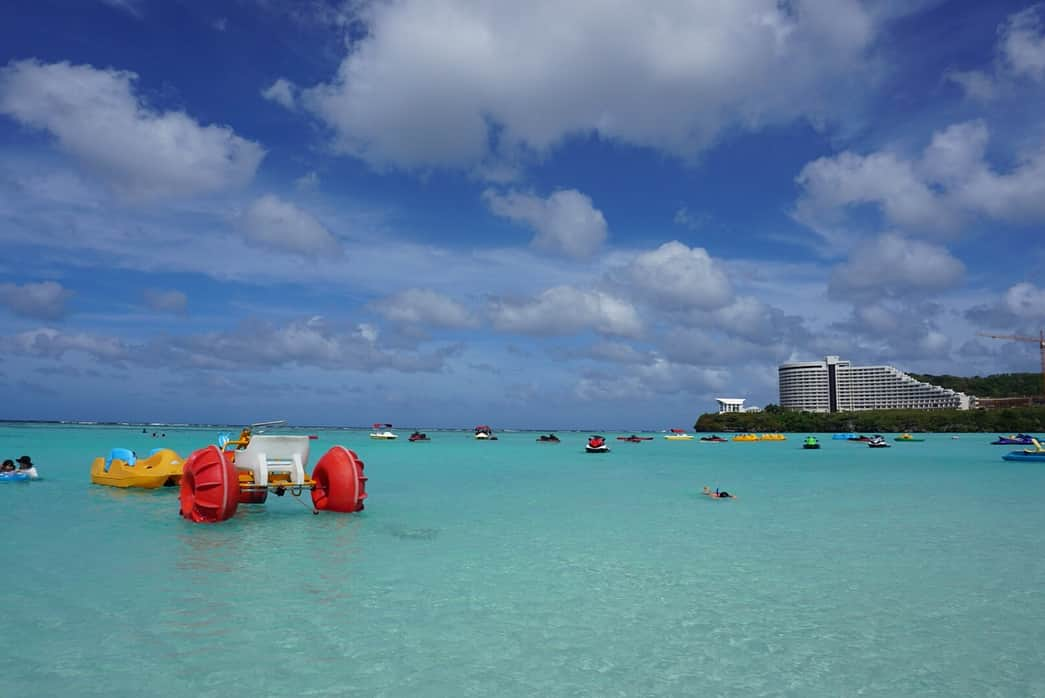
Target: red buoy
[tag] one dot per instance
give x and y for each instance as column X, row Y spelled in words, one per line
column 340, row 482
column 209, row 486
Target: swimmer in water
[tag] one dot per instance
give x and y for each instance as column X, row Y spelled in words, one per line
column 718, row 494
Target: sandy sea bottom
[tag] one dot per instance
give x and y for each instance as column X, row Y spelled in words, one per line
column 513, row 568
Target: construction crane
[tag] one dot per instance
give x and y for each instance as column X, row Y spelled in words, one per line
column 1040, row 341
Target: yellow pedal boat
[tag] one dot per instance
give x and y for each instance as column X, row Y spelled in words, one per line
column 122, row 468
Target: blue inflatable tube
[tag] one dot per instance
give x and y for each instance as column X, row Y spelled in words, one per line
column 14, row 477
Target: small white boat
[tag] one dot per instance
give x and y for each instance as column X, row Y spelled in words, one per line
column 678, row 435
column 385, row 435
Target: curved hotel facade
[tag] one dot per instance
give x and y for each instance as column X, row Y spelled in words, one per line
column 834, row 385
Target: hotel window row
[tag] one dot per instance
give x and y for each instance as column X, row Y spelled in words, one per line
column 834, row 385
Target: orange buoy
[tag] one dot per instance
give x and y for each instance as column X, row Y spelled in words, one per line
column 340, row 484
column 209, row 486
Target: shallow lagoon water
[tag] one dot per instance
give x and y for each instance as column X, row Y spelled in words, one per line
column 514, row 568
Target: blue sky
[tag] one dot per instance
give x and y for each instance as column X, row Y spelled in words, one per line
column 597, row 215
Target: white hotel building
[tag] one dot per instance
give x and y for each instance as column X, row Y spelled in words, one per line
column 834, row 385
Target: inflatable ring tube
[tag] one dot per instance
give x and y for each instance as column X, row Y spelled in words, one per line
column 339, row 482
column 209, row 486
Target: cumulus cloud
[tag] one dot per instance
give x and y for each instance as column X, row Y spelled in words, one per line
column 1022, row 43
column 166, row 301
column 1021, row 303
column 1019, row 54
column 95, row 116
column 657, row 377
column 282, row 92
column 42, row 301
column 445, row 84
column 895, row 266
column 48, row 342
column 280, row 225
column 567, row 310
column 678, row 277
column 310, row 342
column 426, row 308
column 253, row 345
column 938, row 192
column 566, row 222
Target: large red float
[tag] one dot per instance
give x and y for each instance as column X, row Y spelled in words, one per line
column 209, row 486
column 339, row 482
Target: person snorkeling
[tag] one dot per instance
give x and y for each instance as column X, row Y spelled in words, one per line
column 718, row 494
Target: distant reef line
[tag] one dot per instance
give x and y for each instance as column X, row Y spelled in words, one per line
column 774, row 419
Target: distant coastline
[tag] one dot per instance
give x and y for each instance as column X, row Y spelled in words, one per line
column 1012, row 419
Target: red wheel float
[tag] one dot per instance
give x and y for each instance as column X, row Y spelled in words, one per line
column 209, row 486
column 340, row 482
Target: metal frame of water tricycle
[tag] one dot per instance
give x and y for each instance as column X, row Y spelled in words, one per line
column 244, row 470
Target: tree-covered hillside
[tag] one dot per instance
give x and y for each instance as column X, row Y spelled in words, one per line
column 774, row 419
column 997, row 385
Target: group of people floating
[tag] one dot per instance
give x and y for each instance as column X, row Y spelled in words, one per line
column 25, row 465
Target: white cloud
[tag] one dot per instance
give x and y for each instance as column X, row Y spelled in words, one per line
column 895, row 266
column 308, row 181
column 939, row 192
column 280, row 225
column 976, row 84
column 566, row 222
column 1025, row 300
column 566, row 310
column 1022, row 43
column 95, row 116
column 282, row 92
column 166, row 301
column 50, row 343
column 310, row 342
column 669, row 76
column 45, row 300
column 426, row 308
column 131, row 7
column 1019, row 53
column 679, row 277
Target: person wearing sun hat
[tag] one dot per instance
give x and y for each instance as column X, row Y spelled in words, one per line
column 25, row 465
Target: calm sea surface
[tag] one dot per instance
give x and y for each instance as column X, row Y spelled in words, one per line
column 513, row 568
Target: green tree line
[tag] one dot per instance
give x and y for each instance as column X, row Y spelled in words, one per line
column 997, row 385
column 775, row 419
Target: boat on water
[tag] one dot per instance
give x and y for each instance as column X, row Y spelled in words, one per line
column 772, row 437
column 122, row 468
column 596, row 444
column 484, row 433
column 907, row 437
column 634, row 439
column 548, row 439
column 844, row 436
column 418, row 436
column 1035, row 454
column 1014, row 440
column 745, row 437
column 862, row 438
column 713, row 439
column 385, row 435
column 678, row 435
column 810, row 443
column 877, row 441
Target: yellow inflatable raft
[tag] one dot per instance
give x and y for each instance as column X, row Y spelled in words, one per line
column 122, row 468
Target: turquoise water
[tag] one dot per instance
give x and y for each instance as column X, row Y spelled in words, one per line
column 513, row 568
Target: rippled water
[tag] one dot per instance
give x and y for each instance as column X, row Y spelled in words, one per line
column 513, row 568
